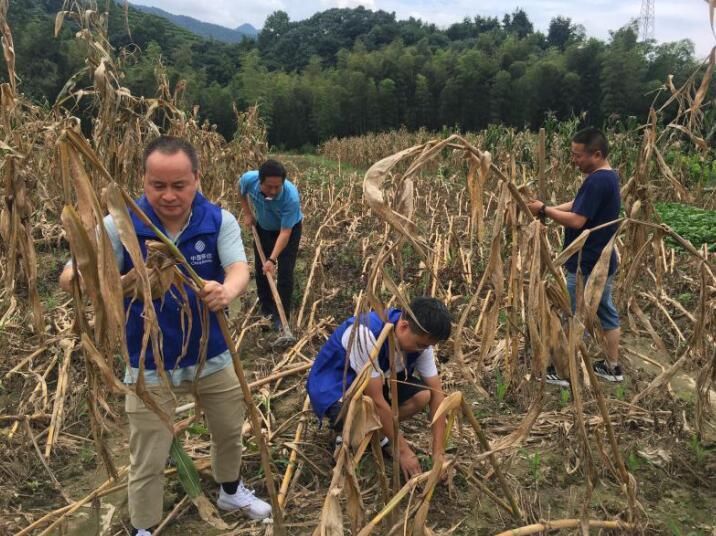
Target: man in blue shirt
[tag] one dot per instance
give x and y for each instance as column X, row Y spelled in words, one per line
column 598, row 201
column 210, row 240
column 278, row 218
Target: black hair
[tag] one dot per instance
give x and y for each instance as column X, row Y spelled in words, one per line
column 272, row 168
column 433, row 318
column 593, row 140
column 171, row 145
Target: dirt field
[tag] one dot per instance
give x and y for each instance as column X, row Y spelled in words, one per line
column 675, row 472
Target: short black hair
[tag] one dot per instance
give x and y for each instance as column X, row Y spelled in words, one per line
column 171, row 145
column 272, row 168
column 593, row 140
column 433, row 318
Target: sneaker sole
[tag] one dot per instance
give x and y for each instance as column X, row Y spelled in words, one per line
column 609, row 377
column 232, row 508
column 561, row 383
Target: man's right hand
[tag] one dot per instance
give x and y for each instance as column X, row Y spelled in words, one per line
column 409, row 463
column 249, row 219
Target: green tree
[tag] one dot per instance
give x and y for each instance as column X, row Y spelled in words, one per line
column 140, row 77
column 519, row 23
column 450, row 103
column 502, row 100
column 623, row 69
column 388, row 104
column 216, row 104
column 562, row 32
column 423, row 103
column 586, row 60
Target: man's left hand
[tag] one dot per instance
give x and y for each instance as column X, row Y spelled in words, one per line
column 215, row 296
column 535, row 205
column 269, row 268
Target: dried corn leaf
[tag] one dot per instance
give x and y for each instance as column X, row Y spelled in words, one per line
column 373, row 193
column 83, row 252
column 421, row 516
column 405, row 204
column 105, row 368
column 572, row 248
column 451, row 403
column 127, row 234
column 598, row 278
column 354, row 501
column 703, row 88
column 361, row 421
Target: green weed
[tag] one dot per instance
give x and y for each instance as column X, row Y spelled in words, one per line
column 197, row 429
column 535, row 463
column 698, row 449
column 633, row 462
column 564, row 397
column 501, row 387
column 620, row 392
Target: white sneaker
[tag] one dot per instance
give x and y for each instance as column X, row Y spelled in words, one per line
column 143, row 532
column 244, row 500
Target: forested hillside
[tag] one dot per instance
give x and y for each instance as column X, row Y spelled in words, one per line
column 350, row 71
column 204, row 29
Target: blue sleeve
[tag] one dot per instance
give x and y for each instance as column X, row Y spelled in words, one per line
column 291, row 209
column 229, row 243
column 246, row 180
column 590, row 198
column 290, row 214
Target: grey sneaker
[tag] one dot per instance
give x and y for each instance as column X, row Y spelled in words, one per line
column 607, row 372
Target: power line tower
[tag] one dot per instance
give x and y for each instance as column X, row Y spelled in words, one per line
column 646, row 20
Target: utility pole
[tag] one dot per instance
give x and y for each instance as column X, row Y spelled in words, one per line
column 646, row 20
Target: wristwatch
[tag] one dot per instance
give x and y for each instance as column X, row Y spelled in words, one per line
column 542, row 211
column 272, row 261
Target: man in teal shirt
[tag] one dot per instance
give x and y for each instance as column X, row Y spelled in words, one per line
column 278, row 217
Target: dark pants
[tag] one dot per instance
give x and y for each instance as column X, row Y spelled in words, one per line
column 286, row 265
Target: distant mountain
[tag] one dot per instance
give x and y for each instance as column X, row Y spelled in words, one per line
column 204, row 29
column 248, row 31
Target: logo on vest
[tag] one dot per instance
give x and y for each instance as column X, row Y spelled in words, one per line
column 201, row 257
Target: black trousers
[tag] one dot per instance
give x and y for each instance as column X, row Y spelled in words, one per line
column 286, row 266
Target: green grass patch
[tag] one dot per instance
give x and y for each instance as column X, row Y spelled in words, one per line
column 696, row 225
column 308, row 160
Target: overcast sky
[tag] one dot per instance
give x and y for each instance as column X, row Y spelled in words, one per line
column 675, row 19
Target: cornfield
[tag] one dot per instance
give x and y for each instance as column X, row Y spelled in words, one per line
column 443, row 216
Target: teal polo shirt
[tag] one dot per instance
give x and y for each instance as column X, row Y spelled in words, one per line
column 281, row 212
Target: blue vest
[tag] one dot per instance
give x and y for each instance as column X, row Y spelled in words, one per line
column 325, row 381
column 198, row 244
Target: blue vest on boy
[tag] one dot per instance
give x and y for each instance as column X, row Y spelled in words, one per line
column 198, row 244
column 325, row 381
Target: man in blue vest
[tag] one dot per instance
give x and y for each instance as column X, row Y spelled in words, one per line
column 210, row 240
column 598, row 201
column 278, row 219
column 347, row 351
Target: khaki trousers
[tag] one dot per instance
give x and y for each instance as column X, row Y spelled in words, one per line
column 150, row 440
